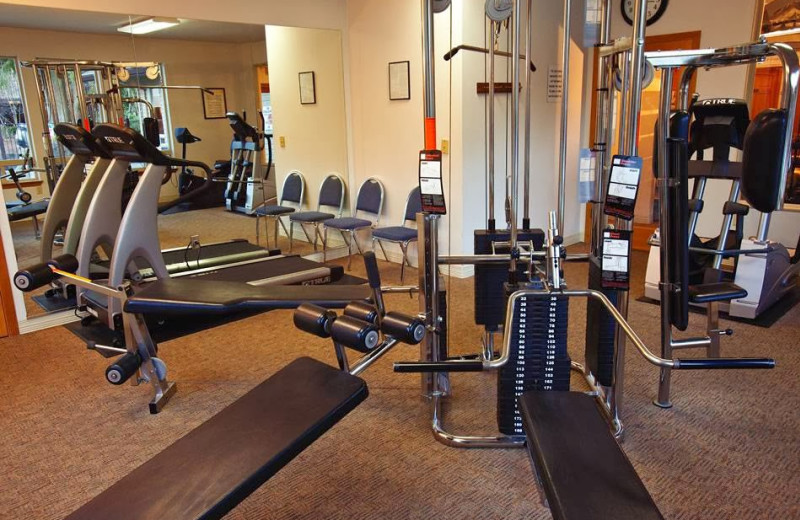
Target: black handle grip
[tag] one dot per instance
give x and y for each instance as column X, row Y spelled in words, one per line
column 123, row 368
column 355, row 334
column 459, row 365
column 314, row 319
column 373, row 274
column 408, row 329
column 723, row 363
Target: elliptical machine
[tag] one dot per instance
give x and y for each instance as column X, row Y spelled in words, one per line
column 189, row 182
column 245, row 189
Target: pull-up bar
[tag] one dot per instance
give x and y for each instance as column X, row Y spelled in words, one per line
column 452, row 52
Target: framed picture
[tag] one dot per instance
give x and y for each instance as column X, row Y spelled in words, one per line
column 308, row 92
column 214, row 104
column 399, row 80
column 780, row 15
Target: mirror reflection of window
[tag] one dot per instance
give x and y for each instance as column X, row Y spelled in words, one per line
column 14, row 136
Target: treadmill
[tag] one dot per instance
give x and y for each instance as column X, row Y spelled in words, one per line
column 136, row 235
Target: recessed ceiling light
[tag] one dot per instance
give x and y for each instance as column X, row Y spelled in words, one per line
column 149, row 25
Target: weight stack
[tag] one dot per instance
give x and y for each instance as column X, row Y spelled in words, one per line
column 539, row 358
column 490, row 296
column 600, row 329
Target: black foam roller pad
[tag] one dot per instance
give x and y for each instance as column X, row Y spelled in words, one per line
column 408, row 329
column 355, row 334
column 362, row 311
column 314, row 319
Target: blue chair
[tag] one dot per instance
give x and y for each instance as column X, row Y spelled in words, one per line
column 369, row 200
column 331, row 195
column 292, row 190
column 401, row 235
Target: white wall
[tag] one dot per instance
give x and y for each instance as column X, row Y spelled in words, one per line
column 315, row 135
column 211, row 64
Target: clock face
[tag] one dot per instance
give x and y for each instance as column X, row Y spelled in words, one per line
column 655, row 8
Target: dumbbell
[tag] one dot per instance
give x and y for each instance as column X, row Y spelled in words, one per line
column 408, row 329
column 314, row 319
column 123, row 368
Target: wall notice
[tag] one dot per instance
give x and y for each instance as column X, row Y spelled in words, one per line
column 555, row 84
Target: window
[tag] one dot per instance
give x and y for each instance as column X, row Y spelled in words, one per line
column 14, row 137
column 141, row 102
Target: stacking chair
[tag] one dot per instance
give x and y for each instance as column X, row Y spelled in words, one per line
column 370, row 201
column 292, row 190
column 331, row 195
column 401, row 234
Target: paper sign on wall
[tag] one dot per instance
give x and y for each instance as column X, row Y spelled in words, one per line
column 555, row 84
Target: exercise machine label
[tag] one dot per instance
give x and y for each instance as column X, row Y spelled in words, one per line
column 623, row 185
column 616, row 259
column 430, row 182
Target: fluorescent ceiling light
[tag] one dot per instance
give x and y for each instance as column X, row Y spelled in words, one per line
column 149, row 25
column 785, row 32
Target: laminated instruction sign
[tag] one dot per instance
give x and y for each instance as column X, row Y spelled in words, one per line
column 616, row 259
column 430, row 182
column 623, row 185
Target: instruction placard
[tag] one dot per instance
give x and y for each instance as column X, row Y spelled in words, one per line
column 430, row 182
column 616, row 259
column 555, row 83
column 623, row 185
column 586, row 175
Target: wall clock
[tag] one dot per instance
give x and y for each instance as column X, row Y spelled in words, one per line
column 655, row 9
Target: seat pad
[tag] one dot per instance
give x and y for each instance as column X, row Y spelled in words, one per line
column 310, row 216
column 347, row 223
column 27, row 210
column 585, row 474
column 715, row 292
column 273, row 210
column 214, row 467
column 198, row 296
column 395, row 233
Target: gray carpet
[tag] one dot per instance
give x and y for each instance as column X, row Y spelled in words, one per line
column 730, row 448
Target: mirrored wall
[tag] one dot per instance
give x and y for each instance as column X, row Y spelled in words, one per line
column 173, row 81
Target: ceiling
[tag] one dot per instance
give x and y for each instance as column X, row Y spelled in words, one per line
column 106, row 23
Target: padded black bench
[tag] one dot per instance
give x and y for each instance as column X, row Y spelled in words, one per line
column 584, row 473
column 193, row 295
column 715, row 292
column 214, row 467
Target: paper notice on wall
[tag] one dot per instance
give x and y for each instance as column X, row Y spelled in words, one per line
column 555, row 84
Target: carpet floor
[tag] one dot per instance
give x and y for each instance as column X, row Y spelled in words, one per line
column 729, row 448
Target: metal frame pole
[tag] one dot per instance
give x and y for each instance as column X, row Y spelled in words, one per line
column 512, row 184
column 526, row 202
column 562, row 154
column 493, row 26
column 601, row 128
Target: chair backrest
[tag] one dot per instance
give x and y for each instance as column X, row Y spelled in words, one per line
column 370, row 198
column 331, row 193
column 293, row 189
column 413, row 206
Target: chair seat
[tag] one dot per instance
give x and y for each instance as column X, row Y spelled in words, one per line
column 27, row 210
column 273, row 210
column 715, row 292
column 311, row 216
column 395, row 233
column 347, row 223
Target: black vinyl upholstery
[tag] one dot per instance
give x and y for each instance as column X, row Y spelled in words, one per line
column 214, row 467
column 585, row 474
column 763, row 160
column 198, row 296
column 715, row 292
column 676, row 199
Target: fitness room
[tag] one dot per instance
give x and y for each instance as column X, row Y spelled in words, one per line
column 538, row 259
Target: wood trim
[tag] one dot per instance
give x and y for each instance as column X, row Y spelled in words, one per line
column 24, row 184
column 8, row 314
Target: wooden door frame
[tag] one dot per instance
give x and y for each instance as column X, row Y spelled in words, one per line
column 652, row 43
column 7, row 312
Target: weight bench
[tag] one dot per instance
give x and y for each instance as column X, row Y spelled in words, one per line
column 32, row 211
column 214, row 467
column 584, row 473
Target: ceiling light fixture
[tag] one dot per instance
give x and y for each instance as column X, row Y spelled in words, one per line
column 149, row 25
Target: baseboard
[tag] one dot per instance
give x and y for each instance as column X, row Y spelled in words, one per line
column 55, row 319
